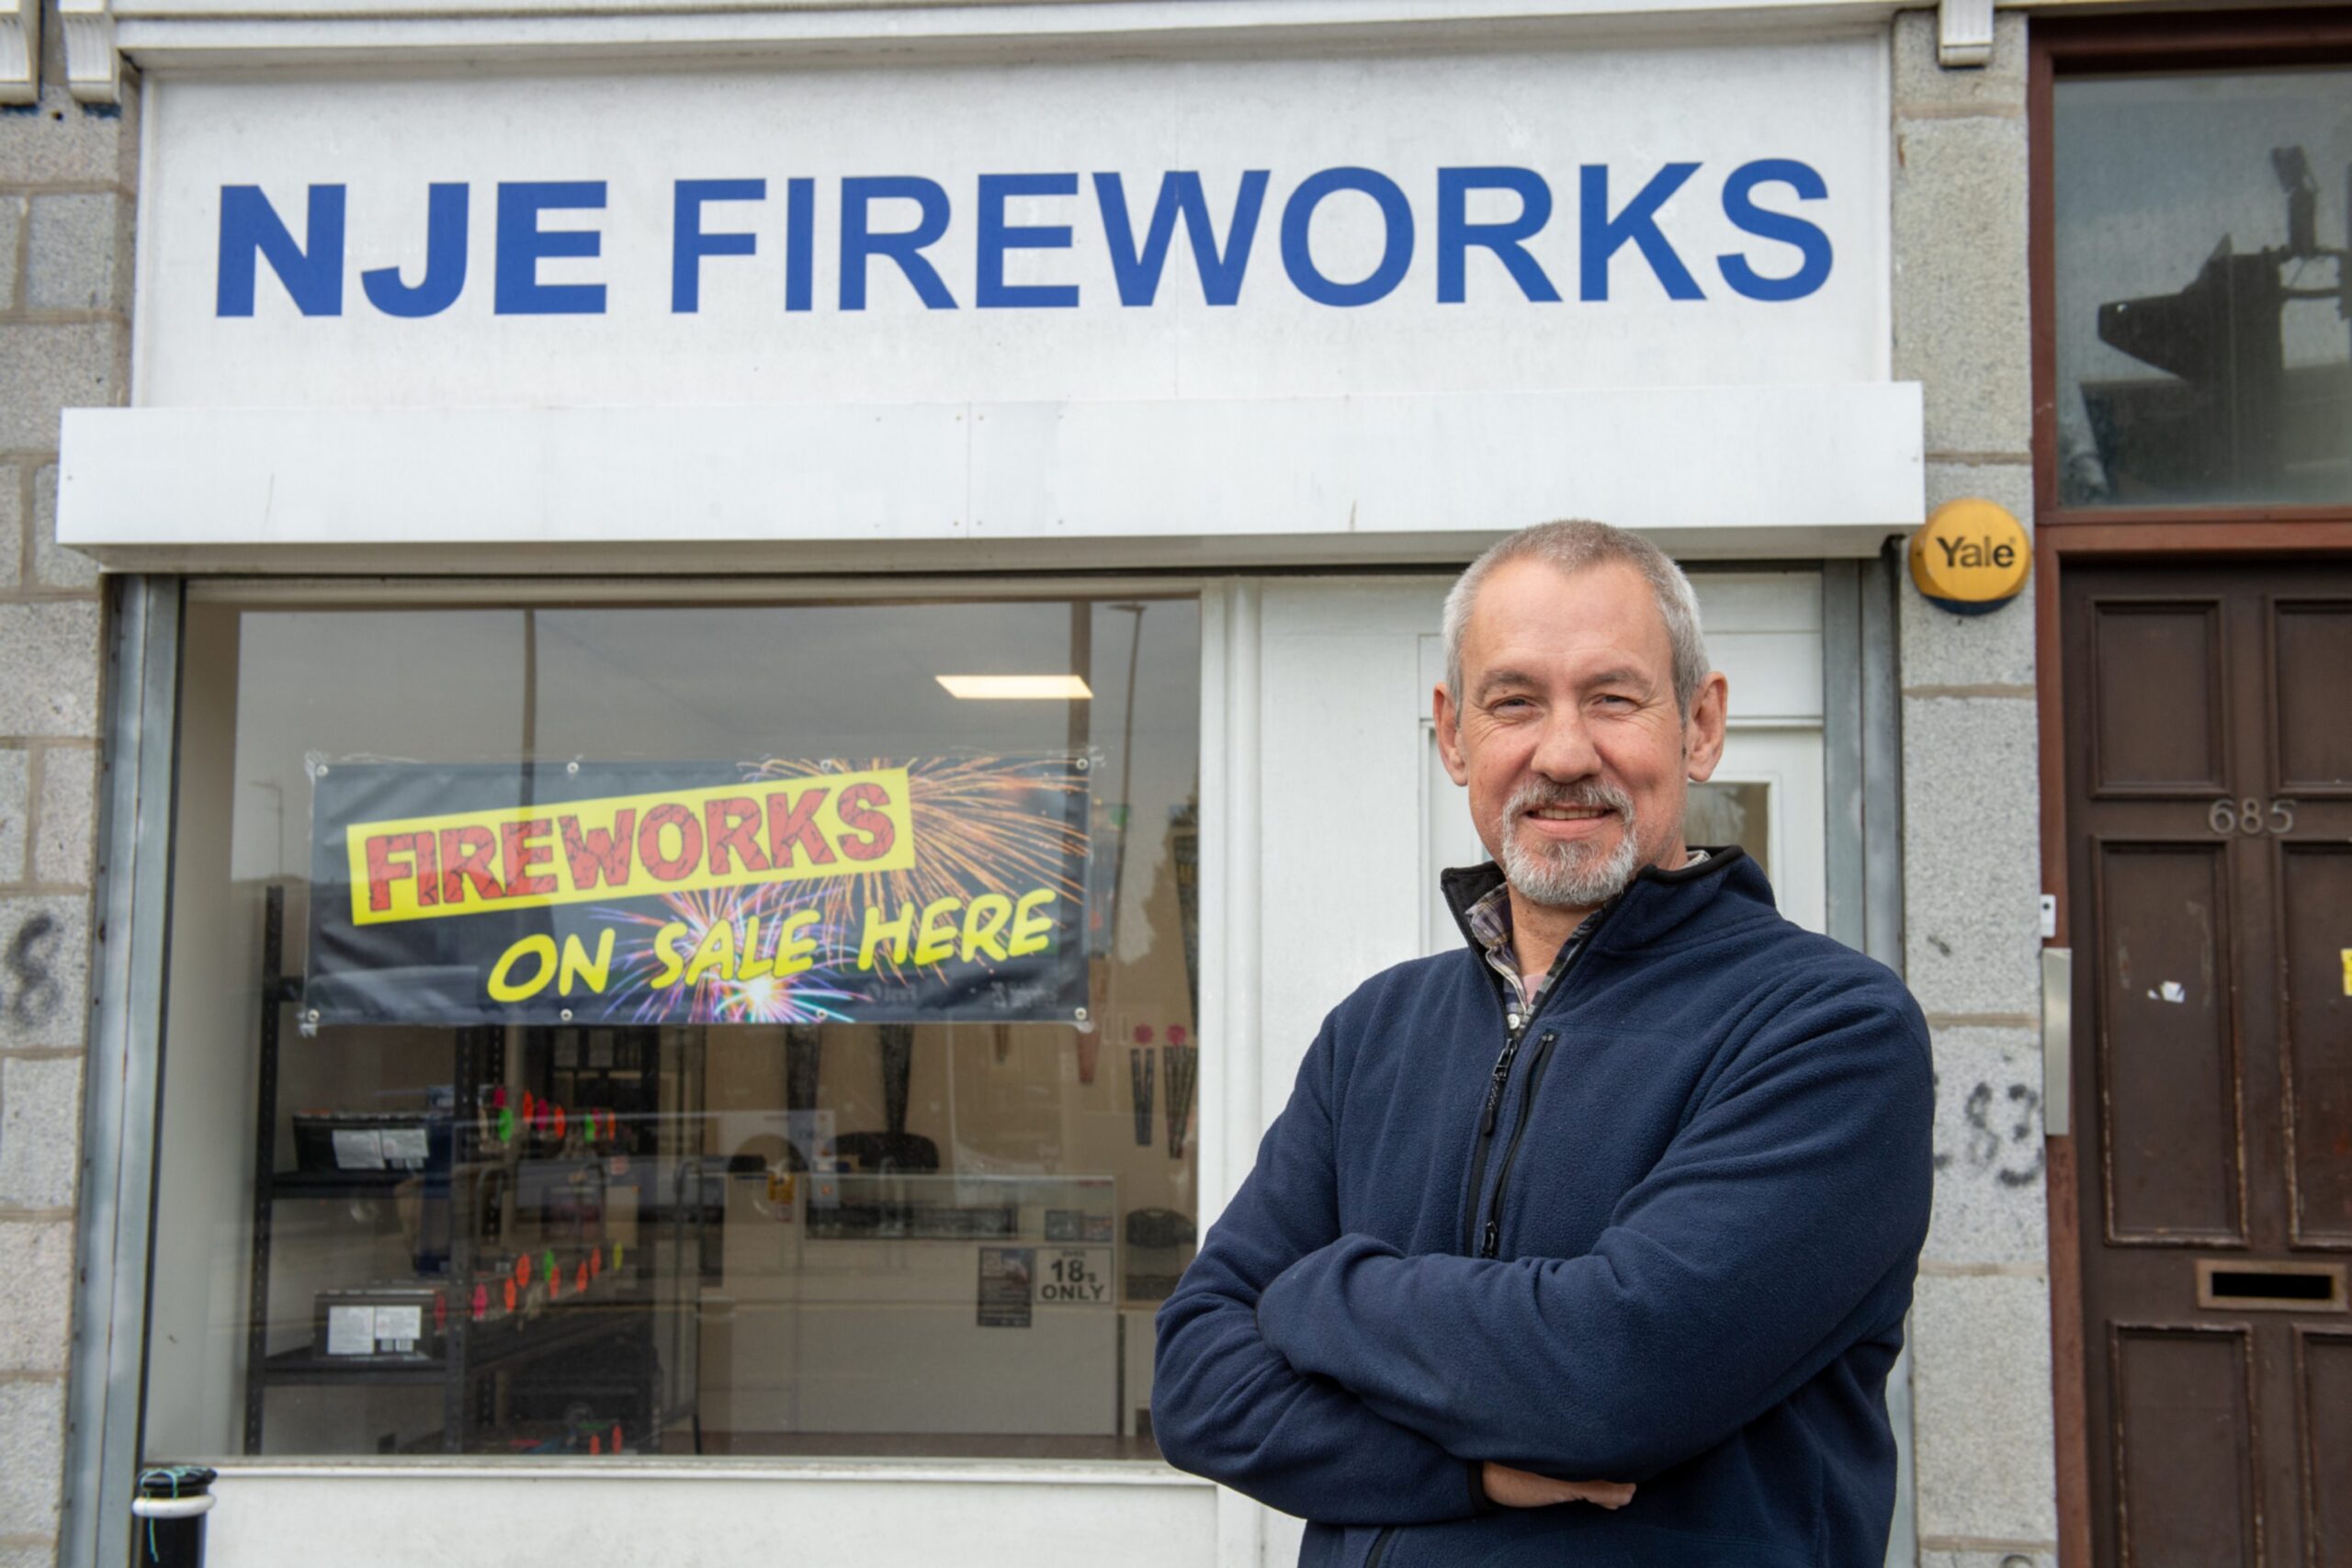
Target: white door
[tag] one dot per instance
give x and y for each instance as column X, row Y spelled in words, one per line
column 1358, row 814
column 1354, row 817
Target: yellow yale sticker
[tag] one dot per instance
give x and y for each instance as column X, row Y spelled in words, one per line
column 2347, row 971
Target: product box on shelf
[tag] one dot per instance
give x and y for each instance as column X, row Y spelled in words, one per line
column 394, row 1322
column 350, row 1141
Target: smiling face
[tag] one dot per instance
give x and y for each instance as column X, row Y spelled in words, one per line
column 1578, row 759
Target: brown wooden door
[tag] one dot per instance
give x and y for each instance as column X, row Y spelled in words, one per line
column 2209, row 800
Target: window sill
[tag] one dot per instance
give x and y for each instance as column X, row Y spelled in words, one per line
column 683, row 1467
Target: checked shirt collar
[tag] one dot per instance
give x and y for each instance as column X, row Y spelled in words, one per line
column 1490, row 923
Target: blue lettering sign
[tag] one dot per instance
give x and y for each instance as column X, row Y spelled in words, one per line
column 1456, row 233
column 1812, row 244
column 689, row 244
column 991, row 292
column 522, row 243
column 445, row 261
column 250, row 227
column 903, row 246
column 1221, row 266
column 1136, row 247
column 1603, row 235
column 799, row 243
column 1397, row 254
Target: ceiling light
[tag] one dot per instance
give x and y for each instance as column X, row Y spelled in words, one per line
column 1016, row 688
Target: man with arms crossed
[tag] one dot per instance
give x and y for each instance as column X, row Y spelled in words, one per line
column 1589, row 1243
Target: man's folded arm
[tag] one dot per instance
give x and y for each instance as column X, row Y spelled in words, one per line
column 1224, row 1404
column 1749, row 1259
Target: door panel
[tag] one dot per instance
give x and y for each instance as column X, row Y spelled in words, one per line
column 2317, row 886
column 2172, row 1158
column 2326, row 1399
column 2210, row 853
column 2156, row 711
column 2311, row 647
column 2184, row 1439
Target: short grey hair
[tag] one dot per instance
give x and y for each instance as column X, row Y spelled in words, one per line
column 1573, row 547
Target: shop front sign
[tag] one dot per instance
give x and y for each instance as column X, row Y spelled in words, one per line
column 311, row 268
column 1078, row 297
column 780, row 892
column 1081, row 229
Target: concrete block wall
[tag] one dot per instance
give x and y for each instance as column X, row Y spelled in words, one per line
column 68, row 176
column 1981, row 1391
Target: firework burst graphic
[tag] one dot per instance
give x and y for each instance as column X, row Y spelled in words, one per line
column 982, row 824
column 813, row 996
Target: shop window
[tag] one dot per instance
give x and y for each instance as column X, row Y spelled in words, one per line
column 680, row 1031
column 2203, row 304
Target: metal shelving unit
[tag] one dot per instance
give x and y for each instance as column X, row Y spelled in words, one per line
column 481, row 1367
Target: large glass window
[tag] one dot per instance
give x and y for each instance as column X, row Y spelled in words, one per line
column 2203, row 301
column 737, row 1030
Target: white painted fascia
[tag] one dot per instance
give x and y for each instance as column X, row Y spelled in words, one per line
column 1723, row 471
column 207, row 35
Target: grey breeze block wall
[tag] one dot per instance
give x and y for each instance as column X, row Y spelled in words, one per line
column 67, row 178
column 1970, row 827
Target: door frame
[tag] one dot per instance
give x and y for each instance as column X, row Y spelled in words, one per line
column 2114, row 534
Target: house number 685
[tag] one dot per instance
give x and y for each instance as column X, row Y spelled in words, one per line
column 2250, row 816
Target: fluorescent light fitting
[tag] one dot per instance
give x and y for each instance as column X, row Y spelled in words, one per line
column 1016, row 688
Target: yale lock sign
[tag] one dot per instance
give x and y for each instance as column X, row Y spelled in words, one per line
column 1971, row 557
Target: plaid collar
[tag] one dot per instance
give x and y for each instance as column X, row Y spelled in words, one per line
column 1489, row 921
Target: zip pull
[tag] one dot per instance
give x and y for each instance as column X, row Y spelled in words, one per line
column 1495, row 1087
column 1491, row 1243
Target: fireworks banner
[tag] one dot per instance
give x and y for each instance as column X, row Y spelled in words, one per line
column 915, row 890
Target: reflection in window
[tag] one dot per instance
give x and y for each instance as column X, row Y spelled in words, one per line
column 1722, row 811
column 2203, row 301
column 401, row 1214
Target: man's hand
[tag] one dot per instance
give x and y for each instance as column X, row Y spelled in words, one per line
column 1511, row 1488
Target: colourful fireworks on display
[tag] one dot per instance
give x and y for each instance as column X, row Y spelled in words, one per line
column 982, row 825
column 812, row 995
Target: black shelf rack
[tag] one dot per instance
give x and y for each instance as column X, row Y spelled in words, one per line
column 618, row 1325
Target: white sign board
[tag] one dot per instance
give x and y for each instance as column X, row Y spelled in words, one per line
column 1145, row 229
column 1293, row 305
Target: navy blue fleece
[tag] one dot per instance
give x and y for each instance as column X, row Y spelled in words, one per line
column 1704, row 1253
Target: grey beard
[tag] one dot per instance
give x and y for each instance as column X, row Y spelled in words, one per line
column 1568, row 876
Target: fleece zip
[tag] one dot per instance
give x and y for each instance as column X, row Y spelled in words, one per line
column 1661, row 1231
